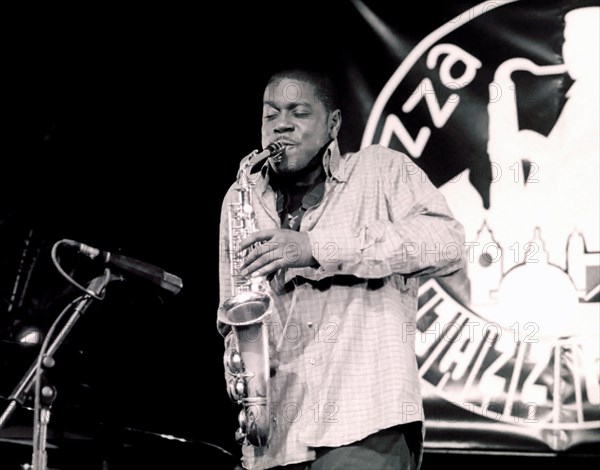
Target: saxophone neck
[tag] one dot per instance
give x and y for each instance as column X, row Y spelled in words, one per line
column 243, row 175
column 275, row 150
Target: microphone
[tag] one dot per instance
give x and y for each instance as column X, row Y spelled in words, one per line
column 154, row 274
column 273, row 150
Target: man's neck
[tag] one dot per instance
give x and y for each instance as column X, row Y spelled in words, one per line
column 293, row 188
column 302, row 180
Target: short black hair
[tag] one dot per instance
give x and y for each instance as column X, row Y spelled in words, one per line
column 322, row 82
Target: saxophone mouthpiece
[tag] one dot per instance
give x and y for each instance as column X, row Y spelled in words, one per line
column 274, row 151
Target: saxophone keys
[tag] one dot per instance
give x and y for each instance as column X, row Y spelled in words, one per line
column 237, row 389
column 240, row 388
column 243, row 422
column 240, row 436
column 233, row 361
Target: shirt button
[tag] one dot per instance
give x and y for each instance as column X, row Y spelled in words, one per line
column 312, row 362
column 310, row 324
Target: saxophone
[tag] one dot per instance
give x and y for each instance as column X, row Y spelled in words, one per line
column 246, row 357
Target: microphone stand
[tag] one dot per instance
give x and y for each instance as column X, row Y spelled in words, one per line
column 48, row 392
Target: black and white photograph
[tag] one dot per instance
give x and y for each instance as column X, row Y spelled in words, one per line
column 354, row 235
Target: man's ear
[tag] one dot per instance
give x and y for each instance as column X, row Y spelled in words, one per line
column 334, row 123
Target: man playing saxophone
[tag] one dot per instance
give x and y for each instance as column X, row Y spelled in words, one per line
column 341, row 241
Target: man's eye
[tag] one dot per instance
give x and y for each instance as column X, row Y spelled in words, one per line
column 269, row 117
column 301, row 114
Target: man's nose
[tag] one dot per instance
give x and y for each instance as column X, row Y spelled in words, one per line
column 283, row 125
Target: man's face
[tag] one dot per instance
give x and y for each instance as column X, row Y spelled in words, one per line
column 294, row 115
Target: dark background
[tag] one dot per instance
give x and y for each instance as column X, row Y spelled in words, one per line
column 124, row 129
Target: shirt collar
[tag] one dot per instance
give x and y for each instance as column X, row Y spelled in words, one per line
column 333, row 163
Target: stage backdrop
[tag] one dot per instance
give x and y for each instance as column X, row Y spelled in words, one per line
column 499, row 105
column 153, row 110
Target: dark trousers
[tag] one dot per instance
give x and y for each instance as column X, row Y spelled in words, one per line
column 396, row 448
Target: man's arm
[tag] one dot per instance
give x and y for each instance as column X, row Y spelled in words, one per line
column 421, row 236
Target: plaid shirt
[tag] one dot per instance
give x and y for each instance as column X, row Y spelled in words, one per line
column 344, row 332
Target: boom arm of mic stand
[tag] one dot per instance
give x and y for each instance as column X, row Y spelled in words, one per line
column 20, row 392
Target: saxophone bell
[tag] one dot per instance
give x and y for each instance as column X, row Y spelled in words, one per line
column 247, row 363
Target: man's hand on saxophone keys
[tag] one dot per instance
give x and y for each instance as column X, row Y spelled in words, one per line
column 274, row 249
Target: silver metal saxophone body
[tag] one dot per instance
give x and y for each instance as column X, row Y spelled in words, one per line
column 246, row 357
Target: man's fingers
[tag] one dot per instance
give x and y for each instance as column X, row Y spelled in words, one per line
column 265, row 266
column 248, row 241
column 256, row 260
column 253, row 255
column 260, row 236
column 270, row 268
column 259, row 256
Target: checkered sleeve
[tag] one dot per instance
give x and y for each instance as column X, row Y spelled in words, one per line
column 420, row 235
